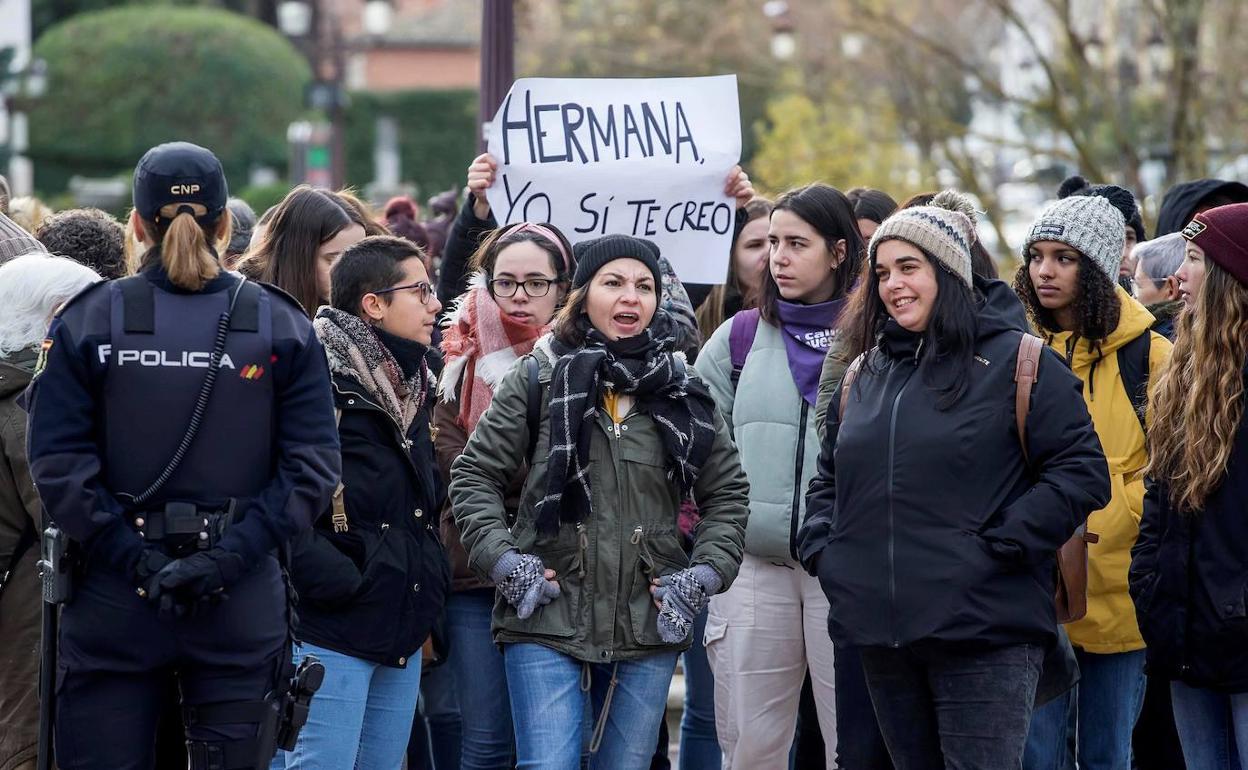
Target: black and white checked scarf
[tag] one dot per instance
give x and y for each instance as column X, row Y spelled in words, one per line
column 643, row 367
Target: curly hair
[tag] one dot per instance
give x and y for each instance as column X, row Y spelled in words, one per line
column 1198, row 403
column 89, row 236
column 1096, row 304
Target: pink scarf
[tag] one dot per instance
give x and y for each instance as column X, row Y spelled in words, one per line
column 481, row 342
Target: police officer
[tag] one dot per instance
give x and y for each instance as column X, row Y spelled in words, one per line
column 181, row 431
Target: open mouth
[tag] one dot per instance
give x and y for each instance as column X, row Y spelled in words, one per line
column 626, row 319
column 898, row 304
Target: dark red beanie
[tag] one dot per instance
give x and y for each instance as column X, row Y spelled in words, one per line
column 1223, row 235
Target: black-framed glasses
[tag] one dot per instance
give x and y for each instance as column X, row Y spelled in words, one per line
column 533, row 287
column 422, row 288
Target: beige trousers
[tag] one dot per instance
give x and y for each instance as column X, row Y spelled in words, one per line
column 761, row 634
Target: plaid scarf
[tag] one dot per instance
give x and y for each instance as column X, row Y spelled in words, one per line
column 643, row 367
column 480, row 343
column 355, row 351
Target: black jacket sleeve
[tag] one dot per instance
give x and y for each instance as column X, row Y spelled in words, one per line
column 1072, row 477
column 62, row 444
column 466, row 234
column 821, row 494
column 1144, row 552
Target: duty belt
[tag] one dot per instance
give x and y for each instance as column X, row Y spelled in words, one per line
column 184, row 527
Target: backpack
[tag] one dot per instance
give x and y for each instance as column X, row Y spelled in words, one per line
column 740, row 340
column 1071, row 595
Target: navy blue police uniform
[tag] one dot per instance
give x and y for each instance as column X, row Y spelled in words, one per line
column 121, row 377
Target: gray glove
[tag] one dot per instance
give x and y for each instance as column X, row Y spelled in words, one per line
column 684, row 594
column 521, row 579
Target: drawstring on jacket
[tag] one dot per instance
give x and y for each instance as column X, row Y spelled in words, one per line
column 600, row 728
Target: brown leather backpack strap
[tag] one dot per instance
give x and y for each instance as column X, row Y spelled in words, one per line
column 850, row 375
column 1025, row 370
column 339, row 516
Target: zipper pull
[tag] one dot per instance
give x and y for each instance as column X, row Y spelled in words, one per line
column 617, row 428
column 636, row 538
column 384, row 527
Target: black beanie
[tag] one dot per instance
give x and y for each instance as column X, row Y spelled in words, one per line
column 591, row 255
column 1121, row 197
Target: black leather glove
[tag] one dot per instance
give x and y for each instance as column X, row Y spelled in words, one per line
column 183, row 583
column 151, row 561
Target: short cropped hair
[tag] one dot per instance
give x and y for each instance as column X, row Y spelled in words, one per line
column 368, row 266
column 1161, row 257
column 88, row 236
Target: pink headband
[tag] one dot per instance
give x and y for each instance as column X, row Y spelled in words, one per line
column 569, row 265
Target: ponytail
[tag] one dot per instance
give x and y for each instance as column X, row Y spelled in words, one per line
column 188, row 259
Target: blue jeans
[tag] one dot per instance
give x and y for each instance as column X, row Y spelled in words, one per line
column 1101, row 710
column 1213, row 727
column 699, row 745
column 480, row 682
column 360, row 718
column 945, row 706
column 548, row 708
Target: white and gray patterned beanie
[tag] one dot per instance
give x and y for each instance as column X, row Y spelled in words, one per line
column 1089, row 224
column 945, row 228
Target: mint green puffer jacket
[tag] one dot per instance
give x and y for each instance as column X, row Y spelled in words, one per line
column 775, row 432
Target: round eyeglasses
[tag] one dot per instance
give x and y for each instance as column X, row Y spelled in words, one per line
column 533, row 287
column 422, row 289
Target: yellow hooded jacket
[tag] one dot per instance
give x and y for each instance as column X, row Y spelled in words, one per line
column 1110, row 625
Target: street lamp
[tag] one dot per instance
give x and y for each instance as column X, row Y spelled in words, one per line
column 315, row 29
column 783, row 41
column 18, row 88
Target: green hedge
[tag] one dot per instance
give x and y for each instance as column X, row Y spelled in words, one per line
column 123, row 80
column 437, row 136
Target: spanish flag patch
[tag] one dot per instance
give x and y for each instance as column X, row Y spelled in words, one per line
column 42, row 360
column 252, row 372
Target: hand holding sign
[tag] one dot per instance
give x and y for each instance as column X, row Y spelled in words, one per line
column 643, row 157
column 480, row 177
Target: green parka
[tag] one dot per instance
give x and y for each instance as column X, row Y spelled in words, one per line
column 604, row 612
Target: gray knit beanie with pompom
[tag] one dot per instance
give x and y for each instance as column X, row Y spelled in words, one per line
column 945, row 228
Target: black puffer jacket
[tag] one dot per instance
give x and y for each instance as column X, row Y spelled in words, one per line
column 1189, row 581
column 925, row 524
column 375, row 590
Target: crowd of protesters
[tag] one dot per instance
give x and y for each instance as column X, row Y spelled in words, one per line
column 842, row 490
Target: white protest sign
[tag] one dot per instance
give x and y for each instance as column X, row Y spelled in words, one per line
column 643, row 157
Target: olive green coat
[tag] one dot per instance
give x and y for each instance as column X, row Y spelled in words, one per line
column 604, row 565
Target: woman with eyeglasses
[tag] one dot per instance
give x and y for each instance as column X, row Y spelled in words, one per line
column 372, row 576
column 520, row 277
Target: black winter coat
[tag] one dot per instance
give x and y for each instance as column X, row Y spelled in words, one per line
column 926, row 525
column 1189, row 581
column 1180, row 202
column 375, row 590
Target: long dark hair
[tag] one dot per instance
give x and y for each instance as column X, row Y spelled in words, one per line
column 286, row 256
column 948, row 341
column 1096, row 304
column 832, row 215
column 875, row 205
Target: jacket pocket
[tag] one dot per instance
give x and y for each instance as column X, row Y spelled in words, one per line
column 659, row 553
column 558, row 619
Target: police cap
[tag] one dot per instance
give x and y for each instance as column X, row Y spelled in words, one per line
column 180, row 172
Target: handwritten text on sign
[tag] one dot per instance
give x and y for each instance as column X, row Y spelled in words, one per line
column 644, row 157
